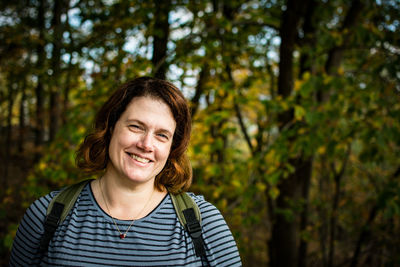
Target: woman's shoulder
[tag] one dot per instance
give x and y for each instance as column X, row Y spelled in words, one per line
column 35, row 215
column 40, row 204
column 201, row 202
column 217, row 235
column 209, row 212
column 45, row 200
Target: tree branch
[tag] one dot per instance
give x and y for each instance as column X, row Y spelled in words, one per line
column 336, row 53
column 243, row 127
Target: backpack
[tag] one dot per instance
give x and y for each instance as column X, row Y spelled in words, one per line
column 186, row 209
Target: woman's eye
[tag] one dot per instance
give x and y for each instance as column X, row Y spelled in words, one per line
column 134, row 126
column 164, row 136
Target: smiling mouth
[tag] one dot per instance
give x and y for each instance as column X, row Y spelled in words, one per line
column 140, row 159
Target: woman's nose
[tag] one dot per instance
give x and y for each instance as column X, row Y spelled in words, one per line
column 146, row 142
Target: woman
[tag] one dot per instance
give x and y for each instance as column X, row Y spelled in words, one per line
column 126, row 217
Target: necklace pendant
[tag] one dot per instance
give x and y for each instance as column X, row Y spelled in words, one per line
column 122, row 236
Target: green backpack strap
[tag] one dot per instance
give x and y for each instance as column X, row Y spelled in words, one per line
column 183, row 201
column 189, row 216
column 68, row 197
column 58, row 209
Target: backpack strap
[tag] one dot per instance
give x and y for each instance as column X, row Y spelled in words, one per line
column 189, row 216
column 58, row 209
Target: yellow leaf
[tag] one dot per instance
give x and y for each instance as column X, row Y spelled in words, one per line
column 299, row 112
column 301, row 131
column 297, row 85
column 284, row 105
column 306, row 76
column 261, row 187
column 274, row 192
column 321, row 150
column 236, row 183
column 216, row 194
column 42, row 166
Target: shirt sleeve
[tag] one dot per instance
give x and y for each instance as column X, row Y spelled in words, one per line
column 221, row 249
column 25, row 249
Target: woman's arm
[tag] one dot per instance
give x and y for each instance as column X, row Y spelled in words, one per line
column 25, row 250
column 221, row 249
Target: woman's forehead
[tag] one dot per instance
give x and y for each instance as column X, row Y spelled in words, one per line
column 150, row 110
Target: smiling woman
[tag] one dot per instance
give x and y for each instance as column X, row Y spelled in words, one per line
column 93, row 154
column 141, row 141
column 127, row 216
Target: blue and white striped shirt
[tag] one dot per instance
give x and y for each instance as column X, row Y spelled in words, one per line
column 88, row 237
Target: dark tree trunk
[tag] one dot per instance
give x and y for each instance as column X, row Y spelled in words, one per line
column 305, row 189
column 22, row 126
column 335, row 57
column 283, row 246
column 323, row 213
column 39, row 129
column 306, row 65
column 335, row 206
column 366, row 229
column 67, row 87
column 8, row 144
column 336, row 53
column 285, row 230
column 160, row 36
column 55, row 105
column 199, row 89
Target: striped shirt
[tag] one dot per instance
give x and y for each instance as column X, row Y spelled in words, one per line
column 88, row 237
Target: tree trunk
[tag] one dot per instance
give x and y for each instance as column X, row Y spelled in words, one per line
column 160, row 36
column 283, row 246
column 55, row 114
column 335, row 206
column 204, row 73
column 8, row 144
column 68, row 76
column 366, row 229
column 39, row 129
column 67, row 88
column 335, row 57
column 324, row 184
column 306, row 65
column 336, row 53
column 22, row 126
column 305, row 189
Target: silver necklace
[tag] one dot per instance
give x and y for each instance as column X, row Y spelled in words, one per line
column 123, row 235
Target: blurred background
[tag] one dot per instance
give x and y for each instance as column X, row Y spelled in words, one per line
column 295, row 104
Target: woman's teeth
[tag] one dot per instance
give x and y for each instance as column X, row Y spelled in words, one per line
column 142, row 160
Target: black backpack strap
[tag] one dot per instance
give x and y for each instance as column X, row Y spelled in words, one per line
column 58, row 209
column 194, row 228
column 50, row 225
column 189, row 216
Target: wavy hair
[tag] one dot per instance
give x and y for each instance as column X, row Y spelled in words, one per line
column 92, row 154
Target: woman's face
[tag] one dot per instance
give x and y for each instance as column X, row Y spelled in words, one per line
column 141, row 140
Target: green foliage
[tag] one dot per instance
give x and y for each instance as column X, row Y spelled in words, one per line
column 345, row 120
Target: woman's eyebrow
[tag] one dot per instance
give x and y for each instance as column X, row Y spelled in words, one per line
column 135, row 120
column 165, row 131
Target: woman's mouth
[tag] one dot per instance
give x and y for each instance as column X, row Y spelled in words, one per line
column 140, row 159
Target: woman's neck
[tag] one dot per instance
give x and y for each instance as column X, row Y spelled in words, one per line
column 125, row 200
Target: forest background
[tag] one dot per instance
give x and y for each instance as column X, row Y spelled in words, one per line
column 295, row 104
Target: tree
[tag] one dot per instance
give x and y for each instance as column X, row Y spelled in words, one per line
column 295, row 111
column 160, row 38
column 39, row 90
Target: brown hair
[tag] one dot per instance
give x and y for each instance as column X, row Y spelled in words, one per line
column 92, row 154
